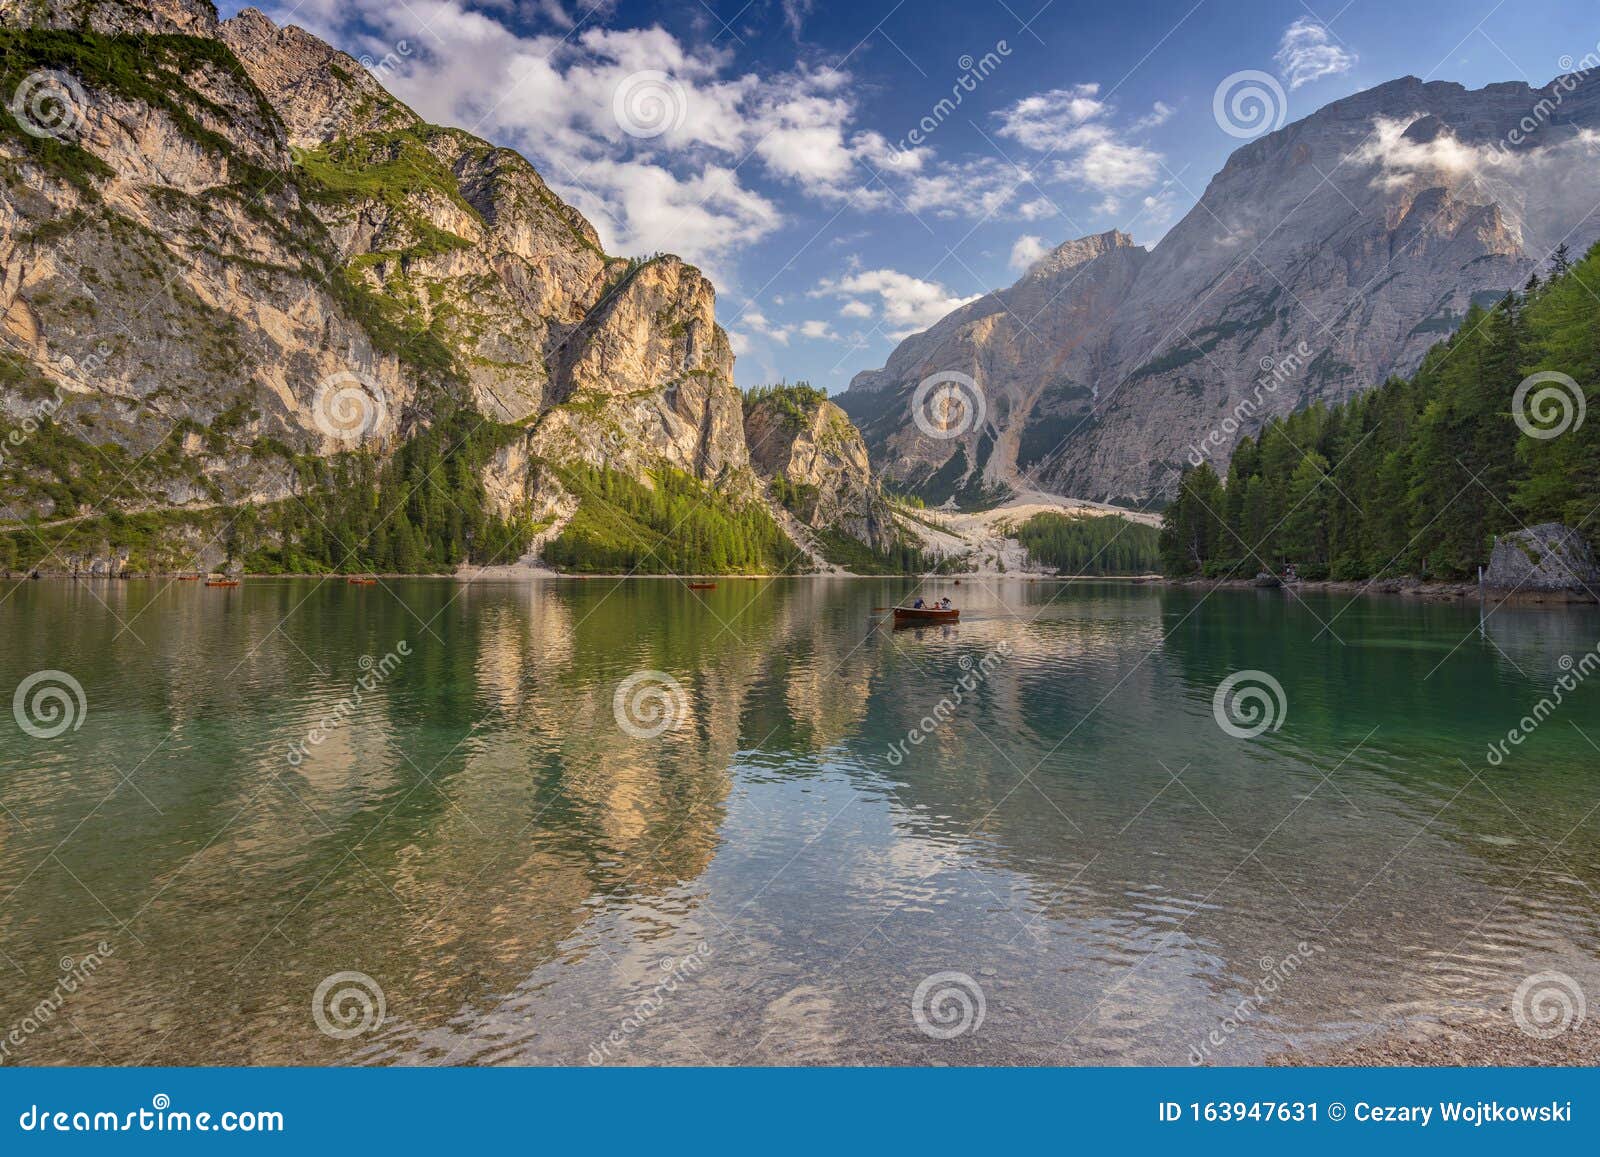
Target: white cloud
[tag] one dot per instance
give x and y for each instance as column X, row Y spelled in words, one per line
column 1043, row 121
column 554, row 95
column 907, row 304
column 1400, row 158
column 1157, row 210
column 795, row 13
column 1108, row 165
column 1309, row 52
column 855, row 309
column 1071, row 125
column 1038, row 209
column 752, row 319
column 818, row 330
column 1160, row 113
column 1027, row 250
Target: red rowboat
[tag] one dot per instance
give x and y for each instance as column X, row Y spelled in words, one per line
column 926, row 615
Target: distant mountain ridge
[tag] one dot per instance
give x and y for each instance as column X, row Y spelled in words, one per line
column 1324, row 257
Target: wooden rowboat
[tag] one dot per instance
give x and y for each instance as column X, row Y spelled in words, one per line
column 222, row 582
column 358, row 581
column 702, row 586
column 926, row 615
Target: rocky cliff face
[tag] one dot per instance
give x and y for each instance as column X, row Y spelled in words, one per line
column 818, row 459
column 225, row 246
column 1322, row 258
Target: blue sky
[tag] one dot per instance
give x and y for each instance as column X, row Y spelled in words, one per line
column 797, row 149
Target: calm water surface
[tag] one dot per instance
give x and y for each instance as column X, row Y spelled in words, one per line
column 770, row 881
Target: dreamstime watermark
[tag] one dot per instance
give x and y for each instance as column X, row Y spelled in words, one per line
column 1546, row 107
column 649, row 103
column 1576, row 672
column 1274, row 975
column 74, row 974
column 674, row 972
column 1548, row 1004
column 45, row 409
column 376, row 671
column 974, row 675
column 948, row 404
column 1249, row 103
column 1548, row 404
column 49, row 103
column 48, row 704
column 347, row 1004
column 156, row 1119
column 648, row 704
column 973, row 73
column 1274, row 372
column 348, row 407
column 947, row 1005
column 1249, row 703
column 384, row 67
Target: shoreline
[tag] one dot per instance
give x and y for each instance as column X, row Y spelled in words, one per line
column 1453, row 1042
column 1409, row 587
column 1406, row 588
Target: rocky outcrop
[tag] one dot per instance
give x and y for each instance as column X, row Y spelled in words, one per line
column 1547, row 558
column 816, row 462
column 242, row 250
column 1322, row 258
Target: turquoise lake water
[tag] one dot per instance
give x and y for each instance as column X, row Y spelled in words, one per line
column 1023, row 839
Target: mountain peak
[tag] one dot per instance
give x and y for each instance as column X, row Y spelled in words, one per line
column 1079, row 251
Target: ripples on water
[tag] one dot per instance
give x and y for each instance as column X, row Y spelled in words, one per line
column 763, row 883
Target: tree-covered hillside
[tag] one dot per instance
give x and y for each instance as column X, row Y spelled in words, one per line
column 1418, row 476
column 1090, row 545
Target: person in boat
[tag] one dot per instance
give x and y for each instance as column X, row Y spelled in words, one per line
column 917, row 606
column 944, row 604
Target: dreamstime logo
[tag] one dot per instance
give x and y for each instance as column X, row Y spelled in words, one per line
column 674, row 973
column 348, row 1004
column 947, row 1005
column 948, row 404
column 374, row 673
column 1544, row 110
column 348, row 407
column 1556, row 406
column 973, row 73
column 383, row 67
column 1548, row 1004
column 1275, row 974
column 1274, row 372
column 944, row 710
column 48, row 704
column 1250, row 103
column 648, row 704
column 1249, row 703
column 1575, row 671
column 73, row 976
column 649, row 103
column 49, row 103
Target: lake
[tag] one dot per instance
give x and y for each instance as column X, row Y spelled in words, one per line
column 305, row 822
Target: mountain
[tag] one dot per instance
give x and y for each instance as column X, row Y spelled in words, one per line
column 1323, row 258
column 256, row 311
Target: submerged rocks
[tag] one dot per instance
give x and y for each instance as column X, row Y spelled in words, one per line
column 1546, row 558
